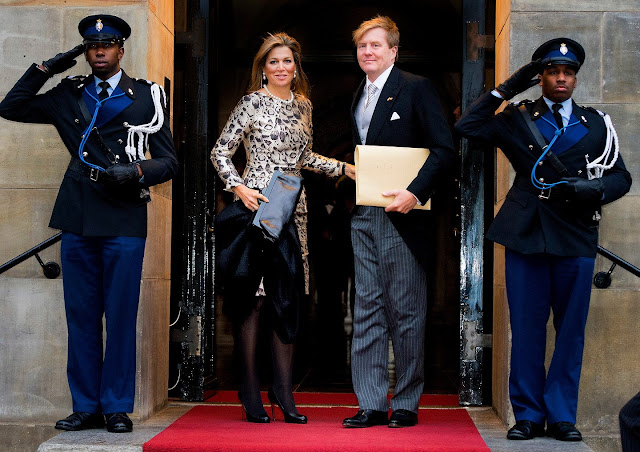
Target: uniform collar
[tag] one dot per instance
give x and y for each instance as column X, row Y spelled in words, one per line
column 125, row 83
column 565, row 111
column 112, row 81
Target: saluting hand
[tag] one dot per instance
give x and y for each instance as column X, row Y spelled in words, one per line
column 404, row 201
column 62, row 61
column 249, row 197
column 521, row 80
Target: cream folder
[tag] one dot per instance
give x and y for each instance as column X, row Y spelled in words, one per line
column 382, row 168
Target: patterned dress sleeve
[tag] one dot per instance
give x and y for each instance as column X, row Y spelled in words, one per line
column 233, row 133
column 316, row 162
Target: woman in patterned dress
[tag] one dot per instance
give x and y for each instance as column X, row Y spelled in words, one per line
column 273, row 121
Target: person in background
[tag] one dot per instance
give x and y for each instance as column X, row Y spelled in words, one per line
column 273, row 121
column 630, row 425
column 105, row 120
column 566, row 170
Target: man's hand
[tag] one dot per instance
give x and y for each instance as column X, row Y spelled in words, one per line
column 62, row 61
column 121, row 174
column 582, row 190
column 249, row 197
column 521, row 80
column 350, row 171
column 404, row 201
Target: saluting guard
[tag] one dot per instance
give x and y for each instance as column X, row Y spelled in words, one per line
column 117, row 131
column 567, row 166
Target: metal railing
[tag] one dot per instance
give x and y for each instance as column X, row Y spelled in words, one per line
column 50, row 269
column 602, row 280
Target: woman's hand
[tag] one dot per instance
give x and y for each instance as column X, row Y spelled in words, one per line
column 249, row 197
column 350, row 171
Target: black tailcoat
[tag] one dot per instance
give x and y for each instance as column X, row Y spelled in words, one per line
column 526, row 223
column 83, row 206
column 421, row 124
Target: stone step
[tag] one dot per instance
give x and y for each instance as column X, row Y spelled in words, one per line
column 490, row 427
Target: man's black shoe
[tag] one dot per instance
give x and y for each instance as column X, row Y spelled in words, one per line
column 118, row 423
column 564, row 431
column 403, row 418
column 366, row 418
column 80, row 421
column 525, row 430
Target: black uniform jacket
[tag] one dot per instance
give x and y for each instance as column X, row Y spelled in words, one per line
column 422, row 125
column 83, row 206
column 527, row 223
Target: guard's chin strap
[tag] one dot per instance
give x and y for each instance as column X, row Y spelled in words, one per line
column 144, row 130
column 596, row 168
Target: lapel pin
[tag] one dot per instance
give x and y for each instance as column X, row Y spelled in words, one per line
column 583, row 118
column 389, row 98
column 536, row 113
column 130, row 91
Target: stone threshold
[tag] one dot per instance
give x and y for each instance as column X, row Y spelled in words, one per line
column 490, row 427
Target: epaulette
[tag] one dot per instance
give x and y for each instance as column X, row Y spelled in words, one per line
column 77, row 77
column 592, row 110
column 522, row 102
column 141, row 80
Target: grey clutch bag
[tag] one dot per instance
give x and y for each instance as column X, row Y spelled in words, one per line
column 283, row 192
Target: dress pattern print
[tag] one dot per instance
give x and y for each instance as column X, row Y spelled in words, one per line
column 277, row 135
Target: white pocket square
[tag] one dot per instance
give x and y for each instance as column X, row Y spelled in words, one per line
column 395, row 116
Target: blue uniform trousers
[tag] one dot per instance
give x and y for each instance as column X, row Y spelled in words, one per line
column 537, row 284
column 101, row 276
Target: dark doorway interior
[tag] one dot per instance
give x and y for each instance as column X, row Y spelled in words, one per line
column 431, row 45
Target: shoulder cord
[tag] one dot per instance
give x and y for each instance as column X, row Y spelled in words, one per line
column 596, row 168
column 144, row 130
column 534, row 181
column 87, row 131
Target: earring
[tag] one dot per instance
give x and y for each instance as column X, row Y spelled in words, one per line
column 295, row 73
column 264, row 78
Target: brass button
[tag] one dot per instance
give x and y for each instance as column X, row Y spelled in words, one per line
column 77, row 121
column 119, row 141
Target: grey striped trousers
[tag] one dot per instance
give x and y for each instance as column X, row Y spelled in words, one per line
column 391, row 299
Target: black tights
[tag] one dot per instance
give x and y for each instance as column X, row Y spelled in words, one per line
column 282, row 356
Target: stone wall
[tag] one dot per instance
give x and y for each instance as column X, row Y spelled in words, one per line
column 608, row 81
column 33, row 387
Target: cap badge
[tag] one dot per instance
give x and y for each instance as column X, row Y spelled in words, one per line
column 563, row 49
column 99, row 25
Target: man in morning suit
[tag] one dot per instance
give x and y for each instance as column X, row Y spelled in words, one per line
column 565, row 171
column 392, row 108
column 105, row 120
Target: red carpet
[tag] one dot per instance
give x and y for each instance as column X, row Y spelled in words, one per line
column 208, row 428
column 335, row 399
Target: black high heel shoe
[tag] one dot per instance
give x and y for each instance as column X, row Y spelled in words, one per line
column 289, row 418
column 261, row 418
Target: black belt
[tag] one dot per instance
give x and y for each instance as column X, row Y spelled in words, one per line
column 77, row 166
